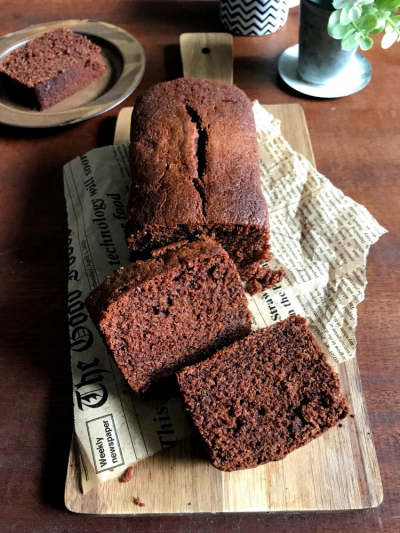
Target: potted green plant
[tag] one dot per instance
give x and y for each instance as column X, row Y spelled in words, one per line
column 320, row 57
column 326, row 62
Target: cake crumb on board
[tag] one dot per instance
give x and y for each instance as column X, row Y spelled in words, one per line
column 127, row 475
column 137, row 501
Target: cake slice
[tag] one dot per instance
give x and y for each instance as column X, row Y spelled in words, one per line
column 51, row 67
column 159, row 315
column 264, row 396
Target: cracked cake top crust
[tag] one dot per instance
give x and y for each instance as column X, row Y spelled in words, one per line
column 205, row 140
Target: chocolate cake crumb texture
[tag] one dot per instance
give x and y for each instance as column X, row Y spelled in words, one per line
column 138, row 502
column 264, row 278
column 52, row 67
column 127, row 475
column 264, row 396
column 160, row 315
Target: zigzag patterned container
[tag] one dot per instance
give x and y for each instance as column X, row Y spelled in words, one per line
column 253, row 17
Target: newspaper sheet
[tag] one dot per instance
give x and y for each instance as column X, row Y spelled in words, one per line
column 318, row 235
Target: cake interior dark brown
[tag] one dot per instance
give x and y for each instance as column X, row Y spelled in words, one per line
column 160, row 315
column 264, row 396
column 51, row 67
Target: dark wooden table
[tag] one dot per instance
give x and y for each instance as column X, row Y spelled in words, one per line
column 356, row 143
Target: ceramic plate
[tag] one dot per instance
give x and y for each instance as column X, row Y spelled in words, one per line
column 354, row 77
column 122, row 53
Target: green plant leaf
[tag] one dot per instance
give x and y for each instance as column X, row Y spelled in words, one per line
column 381, row 4
column 368, row 9
column 354, row 13
column 382, row 15
column 379, row 28
column 334, row 18
column 388, row 39
column 340, row 4
column 335, row 29
column 349, row 41
column 339, row 31
column 392, row 6
column 366, row 43
column 388, row 28
column 344, row 18
column 367, row 22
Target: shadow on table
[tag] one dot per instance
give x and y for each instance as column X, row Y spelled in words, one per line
column 183, row 16
column 173, row 62
column 34, row 337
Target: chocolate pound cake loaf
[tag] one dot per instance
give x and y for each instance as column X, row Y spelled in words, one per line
column 195, row 169
column 160, row 315
column 264, row 396
column 51, row 67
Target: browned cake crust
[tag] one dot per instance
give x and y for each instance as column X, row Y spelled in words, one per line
column 264, row 396
column 160, row 315
column 52, row 67
column 195, row 168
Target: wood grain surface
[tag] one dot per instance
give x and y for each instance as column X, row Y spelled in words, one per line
column 355, row 142
column 337, row 471
column 207, row 55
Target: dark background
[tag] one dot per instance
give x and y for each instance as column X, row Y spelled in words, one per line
column 356, row 144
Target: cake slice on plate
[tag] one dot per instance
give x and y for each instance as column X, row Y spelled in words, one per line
column 51, row 67
column 264, row 396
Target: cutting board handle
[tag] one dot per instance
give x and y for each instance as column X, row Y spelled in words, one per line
column 204, row 55
column 123, row 126
column 207, row 55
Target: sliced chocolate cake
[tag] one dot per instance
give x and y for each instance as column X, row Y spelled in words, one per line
column 51, row 67
column 264, row 396
column 159, row 315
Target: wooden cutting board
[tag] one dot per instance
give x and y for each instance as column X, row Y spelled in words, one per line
column 335, row 472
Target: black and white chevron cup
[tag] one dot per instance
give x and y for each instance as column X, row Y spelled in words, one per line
column 253, row 17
